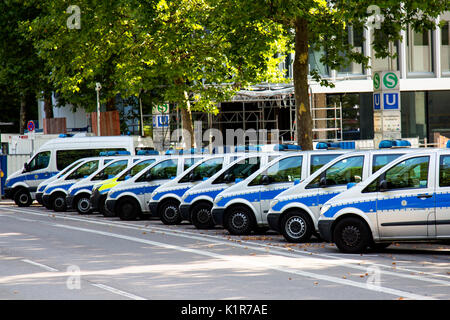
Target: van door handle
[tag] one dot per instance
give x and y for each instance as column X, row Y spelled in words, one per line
column 422, row 196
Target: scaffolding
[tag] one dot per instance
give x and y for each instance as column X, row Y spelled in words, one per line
column 336, row 121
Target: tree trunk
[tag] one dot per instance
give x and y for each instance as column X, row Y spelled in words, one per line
column 48, row 105
column 186, row 118
column 23, row 113
column 304, row 120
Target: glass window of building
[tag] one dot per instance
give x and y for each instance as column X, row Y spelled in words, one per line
column 419, row 51
column 388, row 63
column 356, row 39
column 445, row 45
column 413, row 113
column 315, row 63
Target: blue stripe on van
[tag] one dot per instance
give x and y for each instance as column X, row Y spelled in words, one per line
column 252, row 196
column 63, row 186
column 31, row 176
column 178, row 192
column 87, row 188
column 212, row 194
column 135, row 190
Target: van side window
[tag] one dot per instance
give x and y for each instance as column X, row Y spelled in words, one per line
column 342, row 172
column 319, row 160
column 380, row 160
column 40, row 161
column 444, row 171
column 163, row 170
column 285, row 170
column 408, row 174
column 66, row 157
column 84, row 170
column 135, row 169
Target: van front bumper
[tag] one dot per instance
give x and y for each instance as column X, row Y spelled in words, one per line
column 153, row 208
column 110, row 206
column 95, row 200
column 273, row 219
column 324, row 227
column 8, row 193
column 69, row 201
column 46, row 200
column 218, row 215
column 39, row 197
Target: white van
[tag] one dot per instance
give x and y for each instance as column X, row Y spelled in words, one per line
column 54, row 195
column 78, row 195
column 409, row 199
column 165, row 200
column 128, row 200
column 294, row 212
column 54, row 156
column 197, row 202
column 243, row 207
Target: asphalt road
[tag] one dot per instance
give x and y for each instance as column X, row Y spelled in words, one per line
column 48, row 255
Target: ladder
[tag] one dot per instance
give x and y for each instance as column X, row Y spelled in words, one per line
column 336, row 120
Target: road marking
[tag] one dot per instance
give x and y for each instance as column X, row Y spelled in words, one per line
column 43, row 266
column 117, row 291
column 274, row 249
column 248, row 261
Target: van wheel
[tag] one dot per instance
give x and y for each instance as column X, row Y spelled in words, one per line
column 239, row 221
column 169, row 212
column 23, row 198
column 351, row 235
column 296, row 227
column 201, row 216
column 83, row 204
column 127, row 210
column 59, row 202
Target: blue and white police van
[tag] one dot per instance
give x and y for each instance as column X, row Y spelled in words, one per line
column 197, row 202
column 54, row 194
column 294, row 212
column 128, row 200
column 100, row 190
column 165, row 200
column 409, row 199
column 54, row 156
column 243, row 207
column 79, row 194
column 41, row 187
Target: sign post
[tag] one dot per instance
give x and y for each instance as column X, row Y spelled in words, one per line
column 31, row 126
column 161, row 122
column 386, row 106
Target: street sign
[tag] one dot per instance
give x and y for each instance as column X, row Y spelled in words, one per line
column 377, row 101
column 30, row 126
column 391, row 100
column 160, row 121
column 386, row 80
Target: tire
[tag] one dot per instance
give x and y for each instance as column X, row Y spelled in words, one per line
column 352, row 235
column 201, row 216
column 82, row 204
column 239, row 221
column 23, row 198
column 296, row 227
column 58, row 202
column 169, row 212
column 128, row 209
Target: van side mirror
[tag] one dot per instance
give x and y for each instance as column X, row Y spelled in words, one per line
column 26, row 167
column 296, row 182
column 237, row 180
column 323, row 182
column 265, row 180
column 383, row 186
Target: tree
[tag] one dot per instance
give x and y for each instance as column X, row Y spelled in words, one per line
column 323, row 25
column 21, row 69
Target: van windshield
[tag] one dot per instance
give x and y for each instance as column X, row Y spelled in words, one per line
column 204, row 170
column 286, row 170
column 111, row 170
column 83, row 170
column 138, row 167
column 240, row 170
column 342, row 172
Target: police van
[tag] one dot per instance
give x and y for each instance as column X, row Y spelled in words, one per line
column 243, row 207
column 41, row 187
column 54, row 194
column 197, row 202
column 54, row 156
column 100, row 190
column 409, row 199
column 128, row 200
column 165, row 200
column 78, row 196
column 294, row 212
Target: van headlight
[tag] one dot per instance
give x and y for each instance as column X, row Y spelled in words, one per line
column 324, row 208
